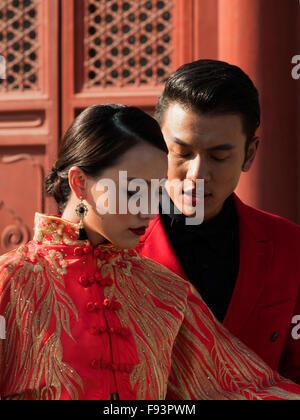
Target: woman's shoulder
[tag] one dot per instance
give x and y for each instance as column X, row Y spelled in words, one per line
column 21, row 258
column 13, row 257
column 157, row 272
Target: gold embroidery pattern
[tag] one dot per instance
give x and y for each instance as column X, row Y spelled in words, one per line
column 33, row 354
column 183, row 351
column 155, row 304
column 52, row 230
column 209, row 363
column 56, row 259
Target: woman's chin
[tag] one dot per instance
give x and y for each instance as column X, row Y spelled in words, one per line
column 126, row 243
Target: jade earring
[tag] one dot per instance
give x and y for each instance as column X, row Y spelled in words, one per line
column 81, row 211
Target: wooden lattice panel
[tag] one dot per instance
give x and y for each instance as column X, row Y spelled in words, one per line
column 127, row 42
column 19, row 44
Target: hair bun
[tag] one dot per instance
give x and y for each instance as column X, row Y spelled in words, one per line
column 52, row 181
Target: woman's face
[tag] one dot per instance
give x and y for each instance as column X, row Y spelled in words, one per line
column 116, row 214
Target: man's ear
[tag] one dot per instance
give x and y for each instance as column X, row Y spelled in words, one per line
column 251, row 153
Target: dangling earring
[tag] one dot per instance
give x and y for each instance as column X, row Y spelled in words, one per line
column 81, row 211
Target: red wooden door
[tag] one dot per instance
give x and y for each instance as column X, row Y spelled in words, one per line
column 29, row 111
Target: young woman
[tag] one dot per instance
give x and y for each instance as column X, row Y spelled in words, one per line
column 89, row 318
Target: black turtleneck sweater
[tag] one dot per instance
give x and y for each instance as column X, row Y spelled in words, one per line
column 208, row 253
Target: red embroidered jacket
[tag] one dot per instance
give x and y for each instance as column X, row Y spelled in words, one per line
column 87, row 322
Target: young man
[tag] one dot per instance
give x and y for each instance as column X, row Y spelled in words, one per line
column 244, row 262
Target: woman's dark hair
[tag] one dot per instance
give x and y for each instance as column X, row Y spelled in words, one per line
column 213, row 87
column 98, row 137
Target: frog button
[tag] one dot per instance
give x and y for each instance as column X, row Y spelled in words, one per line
column 84, row 281
column 95, row 364
column 97, row 306
column 112, row 305
column 97, row 277
column 106, row 303
column 96, row 252
column 120, row 331
column 94, row 331
column 86, row 250
column 90, row 307
column 102, row 330
column 78, row 252
column 91, row 280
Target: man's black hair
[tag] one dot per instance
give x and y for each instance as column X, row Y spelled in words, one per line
column 213, row 87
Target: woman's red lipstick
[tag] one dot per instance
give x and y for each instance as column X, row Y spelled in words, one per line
column 139, row 231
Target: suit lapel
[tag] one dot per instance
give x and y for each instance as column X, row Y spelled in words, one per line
column 156, row 245
column 256, row 251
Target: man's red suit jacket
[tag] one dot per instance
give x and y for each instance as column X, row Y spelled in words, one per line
column 266, row 297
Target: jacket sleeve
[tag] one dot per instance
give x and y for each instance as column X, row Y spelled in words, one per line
column 209, row 363
column 14, row 296
column 5, row 261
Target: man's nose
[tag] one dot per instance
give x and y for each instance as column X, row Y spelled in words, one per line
column 198, row 169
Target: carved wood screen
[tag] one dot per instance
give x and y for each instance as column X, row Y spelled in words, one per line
column 120, row 51
column 28, row 113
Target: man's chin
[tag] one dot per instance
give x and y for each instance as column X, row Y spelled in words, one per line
column 205, row 210
column 191, row 211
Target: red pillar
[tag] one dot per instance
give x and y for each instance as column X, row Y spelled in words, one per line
column 261, row 38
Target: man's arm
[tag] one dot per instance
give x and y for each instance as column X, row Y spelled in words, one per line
column 209, row 363
column 290, row 362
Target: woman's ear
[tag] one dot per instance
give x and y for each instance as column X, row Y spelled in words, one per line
column 77, row 182
column 251, row 153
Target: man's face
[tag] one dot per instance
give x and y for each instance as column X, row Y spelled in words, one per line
column 207, row 147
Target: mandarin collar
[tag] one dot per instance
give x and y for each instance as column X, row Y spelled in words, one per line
column 53, row 230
